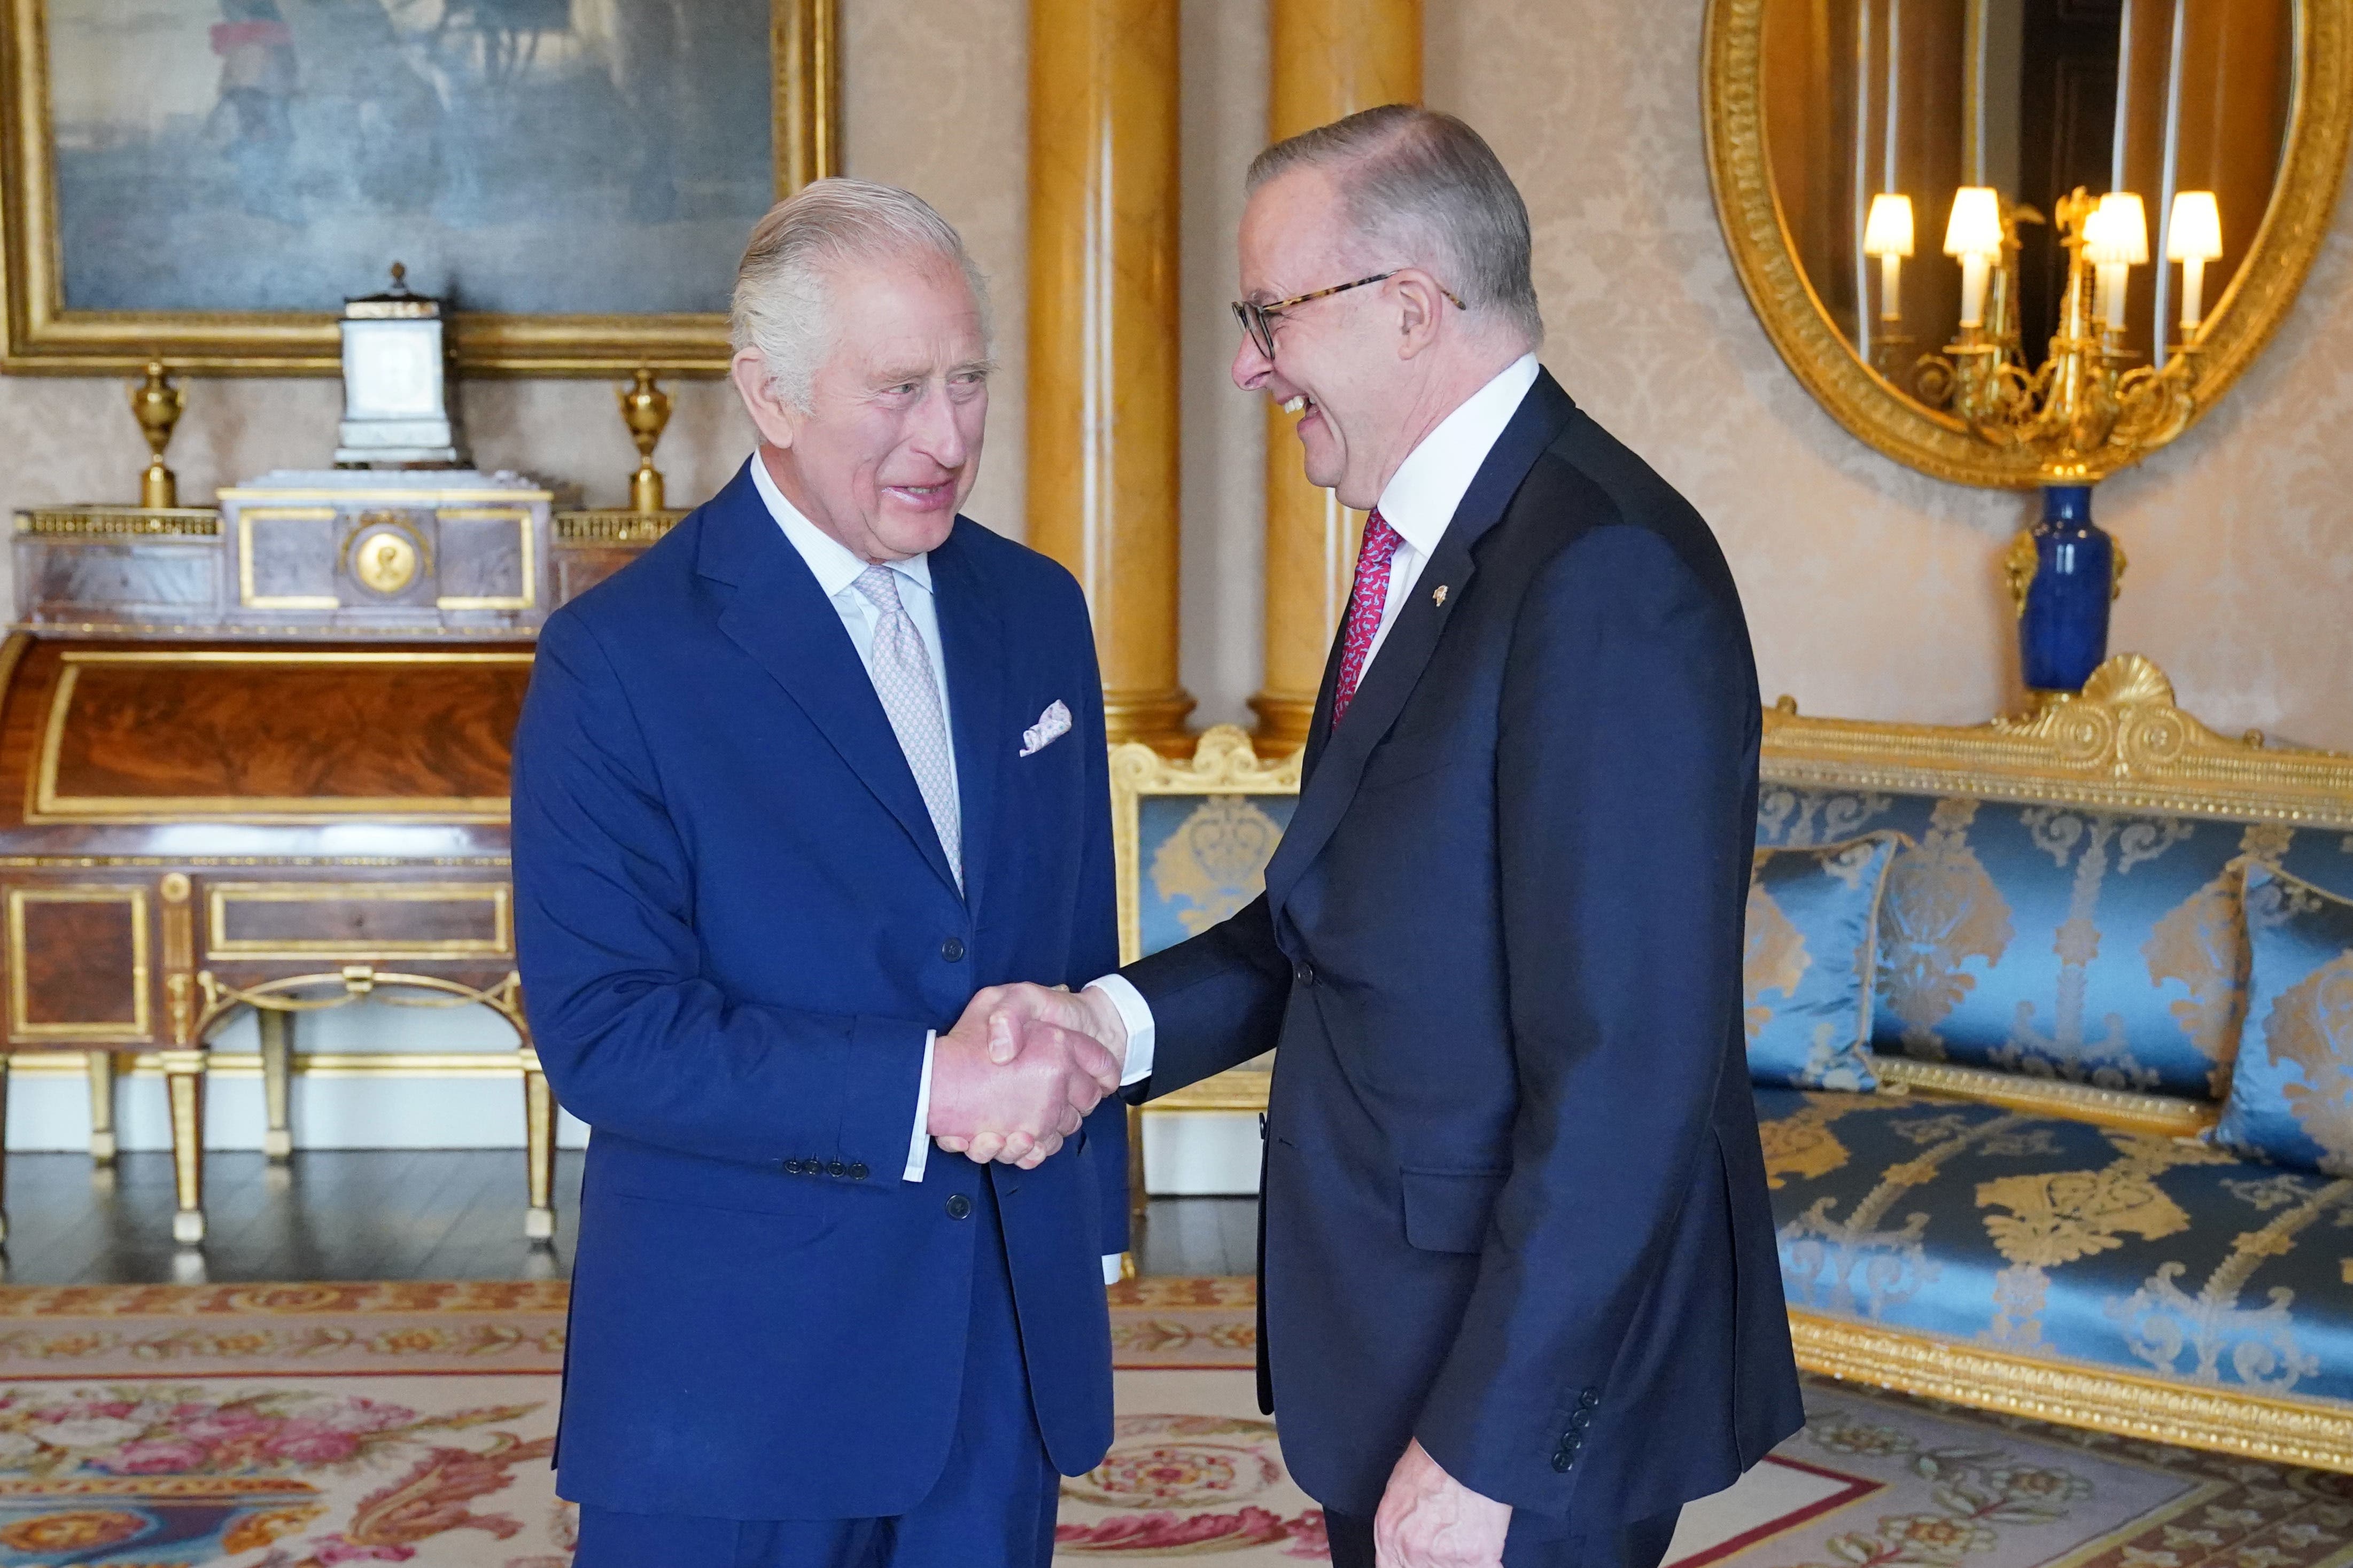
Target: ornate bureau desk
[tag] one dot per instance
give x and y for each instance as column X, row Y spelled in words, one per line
column 258, row 758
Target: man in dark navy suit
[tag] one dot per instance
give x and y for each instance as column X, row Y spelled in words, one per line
column 778, row 793
column 1520, row 1298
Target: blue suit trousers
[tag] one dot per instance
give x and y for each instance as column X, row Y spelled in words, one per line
column 993, row 1506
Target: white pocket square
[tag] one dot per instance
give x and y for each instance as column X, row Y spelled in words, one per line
column 1051, row 726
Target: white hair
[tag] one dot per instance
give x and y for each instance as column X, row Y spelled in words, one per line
column 1422, row 188
column 780, row 307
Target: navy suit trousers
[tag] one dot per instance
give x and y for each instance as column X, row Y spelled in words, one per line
column 993, row 1506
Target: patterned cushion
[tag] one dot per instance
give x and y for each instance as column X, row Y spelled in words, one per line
column 1812, row 914
column 2291, row 1094
column 2162, row 1257
column 2099, row 946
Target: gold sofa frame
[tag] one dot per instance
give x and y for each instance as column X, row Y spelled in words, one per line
column 2123, row 745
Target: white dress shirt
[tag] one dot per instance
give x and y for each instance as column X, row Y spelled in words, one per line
column 836, row 569
column 1418, row 502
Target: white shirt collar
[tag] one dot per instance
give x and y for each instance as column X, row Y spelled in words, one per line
column 1422, row 494
column 836, row 566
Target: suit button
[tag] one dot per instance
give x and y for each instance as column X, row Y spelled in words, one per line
column 1587, row 1400
column 793, row 1166
column 1303, row 972
column 1564, row 1462
column 858, row 1172
column 1580, row 1420
column 952, row 949
column 837, row 1168
column 959, row 1207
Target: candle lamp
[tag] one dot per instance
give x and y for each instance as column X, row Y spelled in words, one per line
column 2193, row 237
column 2117, row 241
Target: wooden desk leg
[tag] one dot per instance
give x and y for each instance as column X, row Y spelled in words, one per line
column 277, row 1066
column 539, row 1148
column 183, row 1077
column 102, row 1142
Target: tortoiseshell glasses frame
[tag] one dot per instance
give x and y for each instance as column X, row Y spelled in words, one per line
column 1258, row 320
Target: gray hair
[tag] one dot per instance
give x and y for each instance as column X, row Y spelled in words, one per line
column 1427, row 188
column 780, row 306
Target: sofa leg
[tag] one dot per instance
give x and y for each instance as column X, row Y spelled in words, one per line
column 277, row 1066
column 103, row 1144
column 183, row 1077
column 539, row 1148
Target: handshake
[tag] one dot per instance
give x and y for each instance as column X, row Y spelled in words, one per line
column 1021, row 1069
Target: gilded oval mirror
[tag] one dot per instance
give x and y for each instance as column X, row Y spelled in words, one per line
column 2013, row 241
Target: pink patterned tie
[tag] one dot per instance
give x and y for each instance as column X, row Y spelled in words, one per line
column 1365, row 604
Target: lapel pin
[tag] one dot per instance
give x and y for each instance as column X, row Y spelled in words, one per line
column 1439, row 597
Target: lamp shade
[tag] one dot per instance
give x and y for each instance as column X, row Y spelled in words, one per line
column 2117, row 230
column 1975, row 228
column 2195, row 231
column 1888, row 230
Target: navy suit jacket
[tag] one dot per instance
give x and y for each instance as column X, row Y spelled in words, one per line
column 736, row 926
column 1513, row 1200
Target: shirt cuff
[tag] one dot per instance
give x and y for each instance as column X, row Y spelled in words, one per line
column 1111, row 1268
column 919, row 1147
column 1136, row 1014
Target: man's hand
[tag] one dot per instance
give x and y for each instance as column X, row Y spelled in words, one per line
column 1008, row 1083
column 1429, row 1519
column 1011, row 1018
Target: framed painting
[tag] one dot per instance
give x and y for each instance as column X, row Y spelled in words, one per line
column 1191, row 841
column 205, row 182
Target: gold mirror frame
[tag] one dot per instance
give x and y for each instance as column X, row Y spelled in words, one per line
column 44, row 337
column 2312, row 168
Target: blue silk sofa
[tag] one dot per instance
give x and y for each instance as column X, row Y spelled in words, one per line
column 2024, row 1215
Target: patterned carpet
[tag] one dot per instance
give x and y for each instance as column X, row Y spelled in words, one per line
column 304, row 1427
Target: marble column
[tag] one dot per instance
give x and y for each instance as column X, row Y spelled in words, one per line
column 1330, row 58
column 1103, row 396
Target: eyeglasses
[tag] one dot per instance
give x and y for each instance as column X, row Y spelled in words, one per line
column 1258, row 320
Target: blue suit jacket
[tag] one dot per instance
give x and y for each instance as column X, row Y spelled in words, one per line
column 1514, row 1204
column 736, row 925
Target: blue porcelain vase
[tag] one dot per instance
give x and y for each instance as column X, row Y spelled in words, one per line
column 2062, row 624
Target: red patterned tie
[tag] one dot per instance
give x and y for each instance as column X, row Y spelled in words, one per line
column 1365, row 604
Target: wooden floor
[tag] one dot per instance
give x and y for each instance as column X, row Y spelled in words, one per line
column 388, row 1215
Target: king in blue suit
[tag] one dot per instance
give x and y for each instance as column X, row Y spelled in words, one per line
column 788, row 792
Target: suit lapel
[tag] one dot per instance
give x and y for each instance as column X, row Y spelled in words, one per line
column 1335, row 767
column 781, row 618
column 972, row 642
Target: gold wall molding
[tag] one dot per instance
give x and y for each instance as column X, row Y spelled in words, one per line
column 112, row 522
column 2278, row 1431
column 2123, row 745
column 2312, row 167
column 1329, row 59
column 44, row 336
column 491, row 1064
column 1104, row 344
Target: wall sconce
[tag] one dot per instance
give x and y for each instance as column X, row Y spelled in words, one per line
column 2193, row 237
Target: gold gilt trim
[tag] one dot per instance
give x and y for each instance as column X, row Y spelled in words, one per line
column 246, row 594
column 614, row 525
column 2312, row 166
column 20, row 1026
column 2260, row 1426
column 1239, row 1091
column 2123, row 745
column 2161, row 1114
column 43, row 335
column 525, row 534
column 108, row 521
column 1223, row 763
column 500, row 1063
column 47, row 805
column 222, row 896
